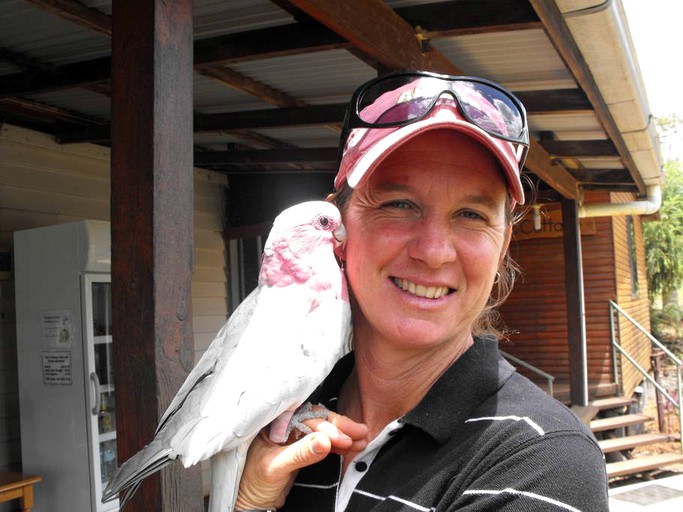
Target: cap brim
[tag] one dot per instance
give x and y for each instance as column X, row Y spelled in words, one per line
column 443, row 118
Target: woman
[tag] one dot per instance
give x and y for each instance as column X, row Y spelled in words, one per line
column 428, row 416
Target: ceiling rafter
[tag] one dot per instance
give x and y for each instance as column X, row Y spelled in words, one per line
column 78, row 13
column 331, row 114
column 293, row 39
column 446, row 19
column 271, row 156
column 581, row 148
column 559, row 34
column 391, row 41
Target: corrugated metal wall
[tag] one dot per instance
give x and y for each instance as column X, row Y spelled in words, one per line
column 42, row 183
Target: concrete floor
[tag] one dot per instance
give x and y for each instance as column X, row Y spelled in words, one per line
column 661, row 495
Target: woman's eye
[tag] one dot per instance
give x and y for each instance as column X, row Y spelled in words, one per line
column 471, row 215
column 397, row 204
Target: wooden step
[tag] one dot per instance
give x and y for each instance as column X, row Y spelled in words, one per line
column 629, row 467
column 611, row 403
column 625, row 420
column 628, row 442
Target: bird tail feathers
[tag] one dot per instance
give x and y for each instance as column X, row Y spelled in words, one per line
column 130, row 474
column 226, row 472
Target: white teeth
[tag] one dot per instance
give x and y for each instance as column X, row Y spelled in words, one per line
column 429, row 292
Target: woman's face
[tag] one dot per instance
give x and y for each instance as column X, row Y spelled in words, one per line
column 426, row 234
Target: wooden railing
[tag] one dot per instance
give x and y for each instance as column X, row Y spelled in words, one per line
column 615, row 311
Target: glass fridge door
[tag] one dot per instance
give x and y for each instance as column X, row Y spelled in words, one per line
column 102, row 396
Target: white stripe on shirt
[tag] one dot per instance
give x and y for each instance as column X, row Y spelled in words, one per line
column 527, row 494
column 528, row 420
column 395, row 498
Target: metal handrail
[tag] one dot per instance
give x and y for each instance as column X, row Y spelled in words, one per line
column 676, row 361
column 532, row 368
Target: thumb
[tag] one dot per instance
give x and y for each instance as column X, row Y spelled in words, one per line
column 311, row 449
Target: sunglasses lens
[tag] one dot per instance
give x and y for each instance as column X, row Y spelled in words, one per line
column 394, row 100
column 405, row 98
column 491, row 109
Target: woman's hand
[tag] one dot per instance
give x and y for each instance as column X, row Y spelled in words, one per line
column 270, row 468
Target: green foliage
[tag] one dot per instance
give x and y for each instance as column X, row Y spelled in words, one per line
column 664, row 239
column 667, row 322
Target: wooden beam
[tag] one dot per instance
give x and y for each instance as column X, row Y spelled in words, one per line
column 292, row 39
column 446, row 19
column 269, row 118
column 77, row 13
column 23, row 61
column 580, row 148
column 79, row 74
column 554, row 101
column 575, row 307
column 562, row 39
column 538, row 161
column 604, row 176
column 390, row 40
column 378, row 31
column 272, row 156
column 18, row 108
column 151, row 214
column 250, row 86
column 233, row 121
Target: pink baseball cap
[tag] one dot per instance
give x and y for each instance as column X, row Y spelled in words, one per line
column 366, row 148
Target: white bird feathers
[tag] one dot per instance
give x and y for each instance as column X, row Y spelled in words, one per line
column 275, row 349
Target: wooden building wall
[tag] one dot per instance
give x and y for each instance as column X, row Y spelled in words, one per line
column 634, row 301
column 43, row 183
column 535, row 312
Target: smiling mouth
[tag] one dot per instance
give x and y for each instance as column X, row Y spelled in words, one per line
column 427, row 292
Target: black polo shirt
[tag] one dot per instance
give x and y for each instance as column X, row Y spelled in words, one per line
column 484, row 438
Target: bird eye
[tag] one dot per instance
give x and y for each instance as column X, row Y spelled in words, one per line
column 324, row 221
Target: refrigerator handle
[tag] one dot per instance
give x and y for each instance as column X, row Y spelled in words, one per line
column 97, row 408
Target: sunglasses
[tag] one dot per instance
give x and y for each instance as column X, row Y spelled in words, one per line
column 406, row 97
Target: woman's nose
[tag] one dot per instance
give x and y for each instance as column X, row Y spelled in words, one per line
column 433, row 243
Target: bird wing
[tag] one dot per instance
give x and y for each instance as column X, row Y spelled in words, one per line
column 282, row 356
column 222, row 347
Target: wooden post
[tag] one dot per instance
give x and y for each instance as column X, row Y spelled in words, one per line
column 576, row 311
column 152, row 223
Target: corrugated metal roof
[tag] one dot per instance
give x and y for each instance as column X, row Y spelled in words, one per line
column 317, row 78
column 33, row 32
column 77, row 100
column 216, row 17
column 521, row 60
column 584, row 126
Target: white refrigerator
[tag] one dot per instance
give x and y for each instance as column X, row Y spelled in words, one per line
column 64, row 348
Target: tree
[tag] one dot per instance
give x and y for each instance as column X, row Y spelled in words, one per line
column 664, row 239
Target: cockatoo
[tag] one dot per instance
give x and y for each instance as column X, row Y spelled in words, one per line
column 276, row 348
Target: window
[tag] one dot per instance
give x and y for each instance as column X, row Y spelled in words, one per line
column 245, row 262
column 632, row 254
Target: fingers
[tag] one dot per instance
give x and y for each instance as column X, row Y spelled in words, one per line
column 345, row 434
column 311, row 449
column 270, row 469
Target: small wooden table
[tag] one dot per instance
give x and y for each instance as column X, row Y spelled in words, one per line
column 17, row 486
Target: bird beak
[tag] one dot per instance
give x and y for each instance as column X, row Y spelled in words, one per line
column 340, row 236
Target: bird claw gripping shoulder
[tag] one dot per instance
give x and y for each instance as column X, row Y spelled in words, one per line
column 295, row 427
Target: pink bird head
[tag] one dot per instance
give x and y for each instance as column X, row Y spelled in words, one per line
column 300, row 248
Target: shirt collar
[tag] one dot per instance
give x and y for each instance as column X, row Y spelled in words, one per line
column 470, row 380
column 475, row 376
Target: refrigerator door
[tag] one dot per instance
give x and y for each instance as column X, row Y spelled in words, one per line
column 102, row 397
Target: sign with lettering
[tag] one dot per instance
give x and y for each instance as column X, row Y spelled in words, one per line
column 56, row 368
column 551, row 224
